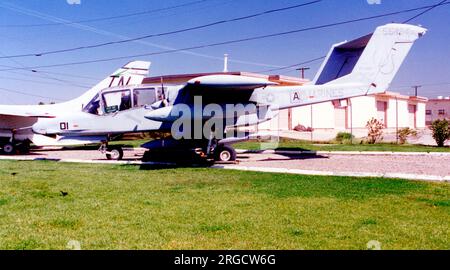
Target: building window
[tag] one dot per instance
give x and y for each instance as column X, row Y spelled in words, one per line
column 441, row 112
column 428, row 112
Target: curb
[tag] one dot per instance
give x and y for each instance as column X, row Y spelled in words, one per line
column 350, row 153
column 435, row 178
column 420, row 177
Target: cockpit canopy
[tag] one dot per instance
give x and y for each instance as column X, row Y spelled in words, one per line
column 113, row 100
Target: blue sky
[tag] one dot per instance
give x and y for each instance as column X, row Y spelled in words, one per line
column 428, row 64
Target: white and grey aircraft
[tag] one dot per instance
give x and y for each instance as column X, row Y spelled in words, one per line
column 363, row 66
column 17, row 121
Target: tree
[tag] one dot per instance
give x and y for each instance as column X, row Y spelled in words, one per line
column 441, row 131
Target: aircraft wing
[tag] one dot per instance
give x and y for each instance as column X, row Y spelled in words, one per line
column 229, row 82
column 23, row 111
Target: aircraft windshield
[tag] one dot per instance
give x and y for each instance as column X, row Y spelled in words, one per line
column 117, row 101
column 94, row 106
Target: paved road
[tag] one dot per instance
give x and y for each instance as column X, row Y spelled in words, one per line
column 420, row 164
column 435, row 165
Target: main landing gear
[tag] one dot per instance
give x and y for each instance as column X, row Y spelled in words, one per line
column 189, row 151
column 12, row 147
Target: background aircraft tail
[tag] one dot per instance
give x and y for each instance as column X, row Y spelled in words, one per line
column 373, row 59
column 130, row 74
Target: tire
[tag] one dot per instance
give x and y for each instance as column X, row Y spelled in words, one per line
column 225, row 153
column 115, row 153
column 9, row 149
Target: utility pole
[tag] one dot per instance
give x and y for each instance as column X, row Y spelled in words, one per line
column 416, row 88
column 303, row 69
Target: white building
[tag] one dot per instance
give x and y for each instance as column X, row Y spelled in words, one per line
column 437, row 109
column 392, row 109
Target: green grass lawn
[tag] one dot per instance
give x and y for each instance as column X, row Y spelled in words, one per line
column 127, row 207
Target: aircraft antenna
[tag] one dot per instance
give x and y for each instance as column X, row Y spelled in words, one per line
column 225, row 63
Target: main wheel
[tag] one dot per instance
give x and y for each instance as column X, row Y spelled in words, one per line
column 24, row 147
column 225, row 153
column 115, row 153
column 9, row 149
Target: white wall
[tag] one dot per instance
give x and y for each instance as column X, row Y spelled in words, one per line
column 420, row 115
column 362, row 110
column 323, row 116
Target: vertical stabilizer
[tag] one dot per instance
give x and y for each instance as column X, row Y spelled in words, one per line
column 371, row 60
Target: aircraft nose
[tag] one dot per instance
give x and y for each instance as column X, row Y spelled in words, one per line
column 39, row 129
column 44, row 128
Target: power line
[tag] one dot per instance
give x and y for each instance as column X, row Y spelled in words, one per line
column 37, row 82
column 45, row 75
column 108, row 18
column 108, row 33
column 426, row 11
column 38, row 72
column 28, row 94
column 424, row 85
column 293, row 66
column 231, row 41
column 165, row 33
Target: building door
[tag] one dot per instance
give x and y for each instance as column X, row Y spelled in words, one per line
column 382, row 112
column 412, row 115
column 283, row 120
column 340, row 117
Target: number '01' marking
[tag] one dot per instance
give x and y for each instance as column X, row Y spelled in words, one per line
column 64, row 126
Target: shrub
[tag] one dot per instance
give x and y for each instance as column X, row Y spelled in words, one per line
column 404, row 133
column 344, row 137
column 301, row 128
column 441, row 131
column 375, row 131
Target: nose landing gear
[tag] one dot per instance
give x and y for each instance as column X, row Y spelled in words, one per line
column 111, row 152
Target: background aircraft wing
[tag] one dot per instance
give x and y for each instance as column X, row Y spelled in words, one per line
column 23, row 111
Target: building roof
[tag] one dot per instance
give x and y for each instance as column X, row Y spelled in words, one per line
column 389, row 94
column 439, row 100
column 183, row 78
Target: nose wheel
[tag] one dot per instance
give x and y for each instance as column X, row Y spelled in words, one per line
column 114, row 153
column 225, row 153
